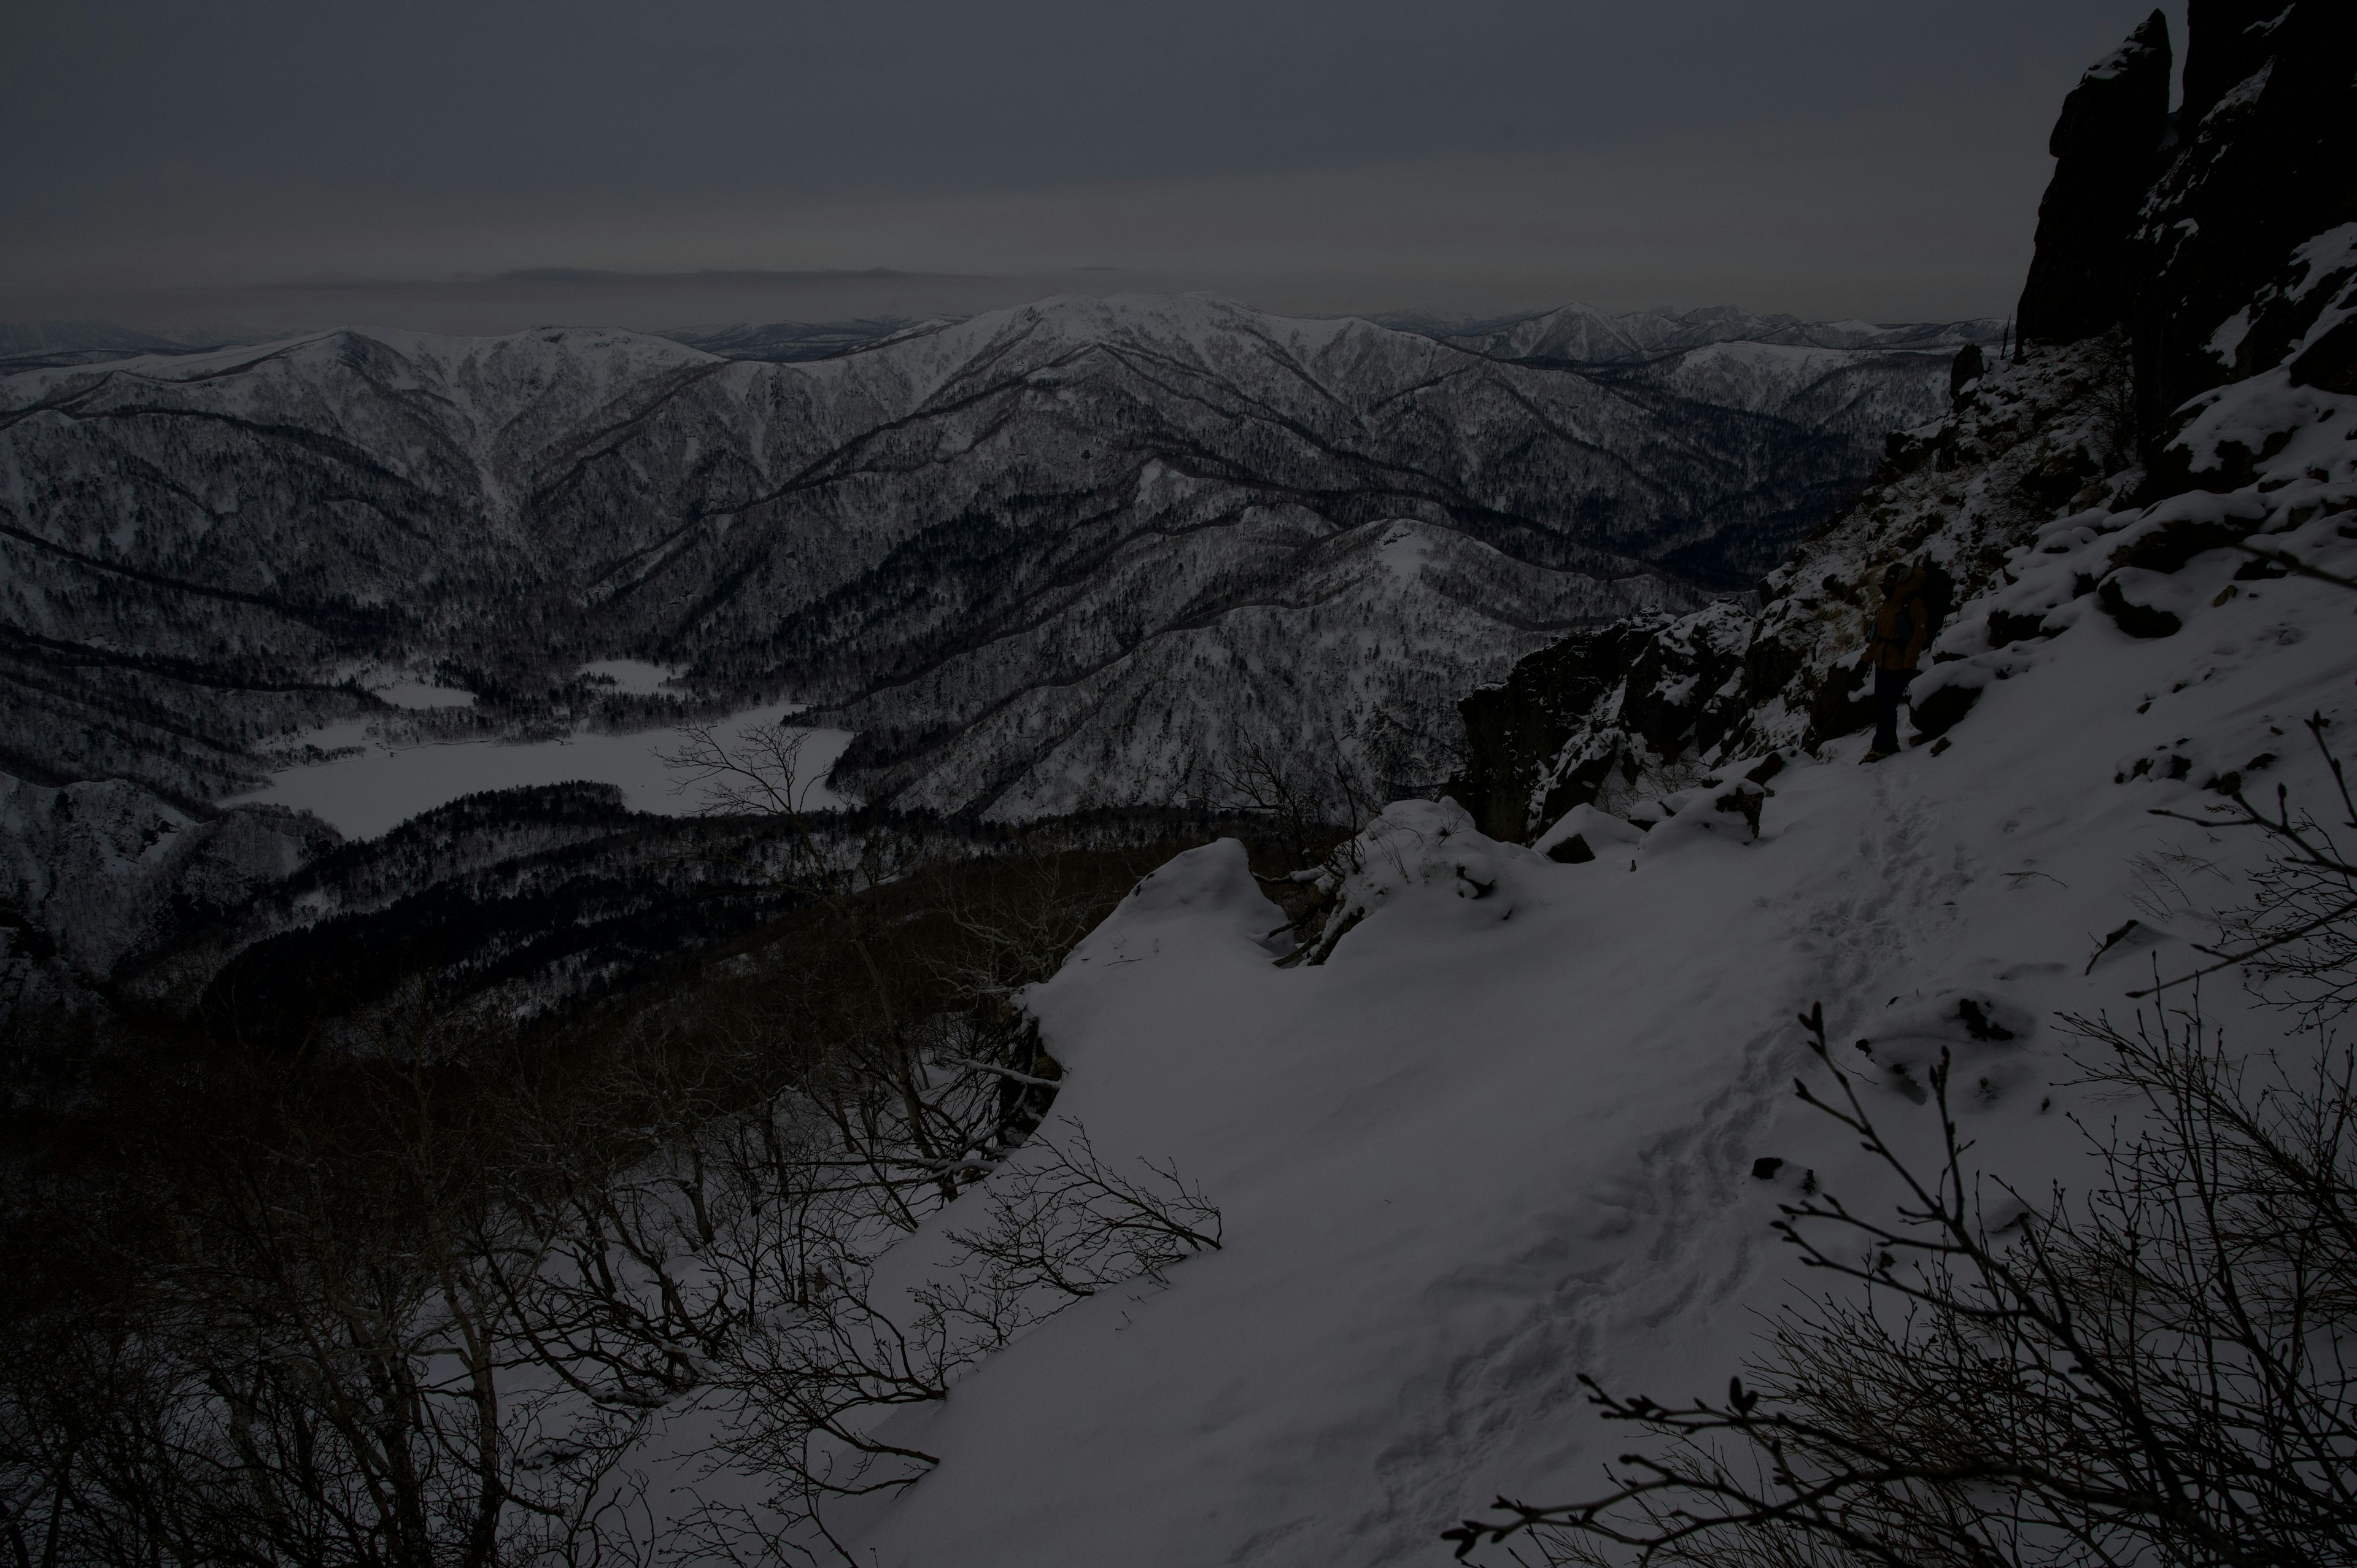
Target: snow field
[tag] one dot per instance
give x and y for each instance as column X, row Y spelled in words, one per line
column 377, row 790
column 1501, row 1140
column 634, row 676
column 422, row 694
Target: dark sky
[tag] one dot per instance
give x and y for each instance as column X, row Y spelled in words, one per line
column 267, row 165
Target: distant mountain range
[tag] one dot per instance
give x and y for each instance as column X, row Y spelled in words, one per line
column 1583, row 335
column 1049, row 557
column 1573, row 334
column 47, row 345
column 794, row 342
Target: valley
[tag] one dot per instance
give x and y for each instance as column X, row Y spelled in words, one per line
column 980, row 547
column 1135, row 930
column 364, row 790
column 1138, row 555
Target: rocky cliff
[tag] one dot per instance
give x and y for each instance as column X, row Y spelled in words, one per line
column 2106, row 145
column 2241, row 266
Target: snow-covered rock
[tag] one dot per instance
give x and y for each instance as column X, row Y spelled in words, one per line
column 1595, row 831
column 1414, row 854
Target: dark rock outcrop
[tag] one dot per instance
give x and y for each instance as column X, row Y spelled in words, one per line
column 2221, row 48
column 2104, row 147
column 1615, row 716
column 2190, row 231
column 1572, row 851
column 1516, row 729
column 2330, row 362
column 2265, row 159
column 1969, row 366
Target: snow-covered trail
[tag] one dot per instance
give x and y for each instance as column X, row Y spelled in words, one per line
column 1498, row 1141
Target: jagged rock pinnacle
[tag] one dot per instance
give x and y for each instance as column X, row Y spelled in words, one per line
column 2104, row 147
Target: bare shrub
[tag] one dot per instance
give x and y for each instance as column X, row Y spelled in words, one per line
column 2156, row 1373
column 417, row 1300
column 2298, row 934
column 1311, row 809
column 810, row 1380
column 2158, row 1370
column 1061, row 1220
column 1316, row 814
column 294, row 1342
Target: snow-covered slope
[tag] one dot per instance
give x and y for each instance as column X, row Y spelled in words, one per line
column 941, row 538
column 92, row 873
column 1507, row 1133
column 1327, row 645
column 1629, row 706
column 1531, row 1116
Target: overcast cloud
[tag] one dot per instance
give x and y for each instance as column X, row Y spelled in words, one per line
column 262, row 165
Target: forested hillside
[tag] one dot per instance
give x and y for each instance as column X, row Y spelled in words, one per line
column 984, row 545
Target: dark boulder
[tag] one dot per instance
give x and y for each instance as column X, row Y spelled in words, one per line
column 1843, row 704
column 1970, row 366
column 1941, row 709
column 2136, row 619
column 1903, row 452
column 2105, row 148
column 1512, row 731
column 2169, row 547
column 2329, row 362
column 2006, row 626
column 1572, row 851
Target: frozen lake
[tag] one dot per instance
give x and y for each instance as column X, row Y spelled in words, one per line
column 415, row 694
column 633, row 675
column 378, row 789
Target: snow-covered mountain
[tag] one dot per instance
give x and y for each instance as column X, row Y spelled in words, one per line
column 47, row 345
column 1533, row 1117
column 1523, row 1113
column 791, row 343
column 1044, row 555
column 1588, row 335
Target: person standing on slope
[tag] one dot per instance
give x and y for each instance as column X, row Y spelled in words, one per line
column 1903, row 625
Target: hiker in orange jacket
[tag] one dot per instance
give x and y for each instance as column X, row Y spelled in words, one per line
column 1903, row 625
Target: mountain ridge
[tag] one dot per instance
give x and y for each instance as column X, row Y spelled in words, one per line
column 844, row 529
